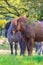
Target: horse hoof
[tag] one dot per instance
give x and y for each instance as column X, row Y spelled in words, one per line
column 11, row 53
column 15, row 53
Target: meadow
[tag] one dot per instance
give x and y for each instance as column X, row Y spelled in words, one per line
column 21, row 60
column 8, row 59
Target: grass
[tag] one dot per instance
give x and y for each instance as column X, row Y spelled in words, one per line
column 4, row 46
column 20, row 60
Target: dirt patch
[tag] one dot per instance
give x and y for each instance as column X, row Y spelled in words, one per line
column 4, row 51
column 7, row 52
column 1, row 41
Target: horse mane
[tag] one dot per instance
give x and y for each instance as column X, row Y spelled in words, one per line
column 7, row 25
column 22, row 19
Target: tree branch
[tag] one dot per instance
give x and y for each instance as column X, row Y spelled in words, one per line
column 7, row 17
column 23, row 9
column 12, row 7
column 7, row 10
column 8, row 13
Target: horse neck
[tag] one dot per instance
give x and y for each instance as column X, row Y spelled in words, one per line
column 25, row 29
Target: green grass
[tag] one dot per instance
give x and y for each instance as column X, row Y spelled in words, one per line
column 20, row 60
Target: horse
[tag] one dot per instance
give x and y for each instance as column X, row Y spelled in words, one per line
column 31, row 32
column 39, row 47
column 7, row 25
column 11, row 39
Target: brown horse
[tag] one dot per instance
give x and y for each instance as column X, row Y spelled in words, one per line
column 30, row 33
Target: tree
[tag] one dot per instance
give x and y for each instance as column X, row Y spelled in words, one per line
column 33, row 9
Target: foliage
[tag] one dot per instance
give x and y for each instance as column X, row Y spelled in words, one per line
column 2, row 23
column 32, row 9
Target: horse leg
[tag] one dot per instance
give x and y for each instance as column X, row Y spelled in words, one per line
column 11, row 47
column 22, row 47
column 22, row 52
column 30, row 45
column 15, row 48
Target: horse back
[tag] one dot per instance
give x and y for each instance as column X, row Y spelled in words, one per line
column 38, row 30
